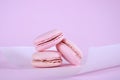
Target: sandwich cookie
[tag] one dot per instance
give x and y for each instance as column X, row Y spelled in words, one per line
column 48, row 40
column 47, row 58
column 69, row 52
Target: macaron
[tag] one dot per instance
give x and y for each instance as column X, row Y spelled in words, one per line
column 48, row 40
column 47, row 58
column 70, row 52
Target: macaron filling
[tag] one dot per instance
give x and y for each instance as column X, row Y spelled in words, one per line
column 49, row 61
column 56, row 37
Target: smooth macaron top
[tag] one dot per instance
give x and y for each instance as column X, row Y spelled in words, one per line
column 48, row 40
column 47, row 36
column 47, row 55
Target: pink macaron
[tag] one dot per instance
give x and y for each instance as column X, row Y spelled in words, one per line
column 48, row 40
column 47, row 58
column 70, row 52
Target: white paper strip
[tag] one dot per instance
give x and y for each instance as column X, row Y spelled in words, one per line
column 98, row 58
column 101, row 58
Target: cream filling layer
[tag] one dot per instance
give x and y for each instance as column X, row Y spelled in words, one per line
column 49, row 61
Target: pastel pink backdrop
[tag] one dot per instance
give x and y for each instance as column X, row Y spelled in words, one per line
column 86, row 22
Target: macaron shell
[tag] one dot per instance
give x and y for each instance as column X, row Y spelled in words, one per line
column 68, row 54
column 47, row 54
column 73, row 47
column 46, row 36
column 49, row 44
column 42, row 64
column 53, row 58
column 51, row 38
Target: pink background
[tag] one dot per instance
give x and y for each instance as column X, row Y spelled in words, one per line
column 86, row 22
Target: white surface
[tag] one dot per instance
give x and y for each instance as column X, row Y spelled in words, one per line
column 20, row 58
column 102, row 57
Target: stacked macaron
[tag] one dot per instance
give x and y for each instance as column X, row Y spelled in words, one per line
column 50, row 58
